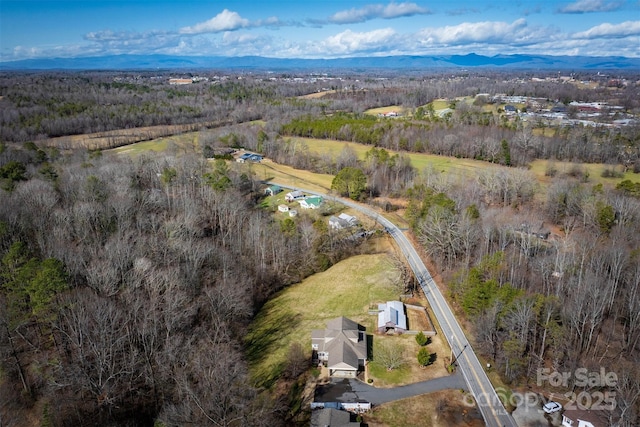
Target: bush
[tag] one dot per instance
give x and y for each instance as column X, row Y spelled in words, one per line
column 424, row 357
column 611, row 173
column 421, row 339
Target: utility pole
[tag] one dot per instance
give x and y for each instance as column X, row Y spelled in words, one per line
column 454, row 359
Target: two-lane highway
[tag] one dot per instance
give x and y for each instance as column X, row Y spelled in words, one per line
column 487, row 400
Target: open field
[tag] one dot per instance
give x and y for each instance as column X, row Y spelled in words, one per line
column 123, row 137
column 317, row 95
column 440, row 409
column 389, row 108
column 464, row 167
column 346, row 289
column 594, row 170
column 290, row 177
column 182, row 141
column 418, row 160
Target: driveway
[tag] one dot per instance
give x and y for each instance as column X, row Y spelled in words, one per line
column 353, row 390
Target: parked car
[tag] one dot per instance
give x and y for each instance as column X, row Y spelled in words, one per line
column 552, row 407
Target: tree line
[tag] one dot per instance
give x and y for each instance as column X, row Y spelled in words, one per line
column 127, row 285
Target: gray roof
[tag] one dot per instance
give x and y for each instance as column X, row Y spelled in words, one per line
column 345, row 342
column 331, row 417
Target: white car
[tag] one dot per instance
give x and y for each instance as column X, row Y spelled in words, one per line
column 552, row 407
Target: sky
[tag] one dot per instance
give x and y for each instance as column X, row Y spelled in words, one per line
column 317, row 29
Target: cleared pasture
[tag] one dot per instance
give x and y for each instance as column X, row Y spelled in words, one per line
column 388, row 109
column 179, row 142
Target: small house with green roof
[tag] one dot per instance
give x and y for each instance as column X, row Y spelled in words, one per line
column 272, row 190
column 311, row 202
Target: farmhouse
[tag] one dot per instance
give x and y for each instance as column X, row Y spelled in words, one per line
column 311, row 203
column 294, row 195
column 342, row 347
column 342, row 221
column 273, row 190
column 391, row 317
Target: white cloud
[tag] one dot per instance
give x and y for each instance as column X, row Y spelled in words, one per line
column 349, row 42
column 606, row 30
column 224, row 21
column 373, row 11
column 473, row 32
column 586, row 6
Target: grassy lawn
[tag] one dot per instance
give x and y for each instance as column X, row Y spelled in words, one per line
column 539, row 167
column 402, row 375
column 383, row 110
column 418, row 160
column 440, row 409
column 463, row 167
column 180, row 141
column 346, row 289
column 290, row 177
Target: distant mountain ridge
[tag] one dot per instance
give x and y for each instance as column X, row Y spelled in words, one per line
column 404, row 62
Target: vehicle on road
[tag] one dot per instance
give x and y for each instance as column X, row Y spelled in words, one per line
column 552, row 407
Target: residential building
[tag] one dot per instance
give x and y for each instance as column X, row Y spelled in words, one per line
column 392, row 317
column 342, row 347
column 311, row 202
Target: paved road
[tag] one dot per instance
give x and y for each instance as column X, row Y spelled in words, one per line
column 353, row 390
column 478, row 383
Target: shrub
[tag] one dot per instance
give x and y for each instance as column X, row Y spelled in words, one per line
column 421, row 339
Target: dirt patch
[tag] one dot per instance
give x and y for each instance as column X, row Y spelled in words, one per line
column 439, row 409
column 418, row 319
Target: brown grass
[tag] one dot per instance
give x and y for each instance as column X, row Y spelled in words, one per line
column 440, row 409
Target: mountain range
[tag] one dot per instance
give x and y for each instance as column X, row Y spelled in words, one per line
column 405, row 63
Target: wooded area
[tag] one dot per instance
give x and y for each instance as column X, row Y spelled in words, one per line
column 127, row 284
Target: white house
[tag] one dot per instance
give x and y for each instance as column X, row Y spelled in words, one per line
column 283, row 208
column 391, row 316
column 311, row 203
column 294, row 195
column 342, row 221
column 568, row 422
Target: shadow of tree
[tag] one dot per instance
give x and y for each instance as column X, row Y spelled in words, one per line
column 265, row 339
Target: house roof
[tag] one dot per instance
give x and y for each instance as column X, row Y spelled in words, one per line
column 392, row 315
column 295, row 193
column 316, row 201
column 343, row 323
column 342, row 221
column 344, row 341
column 331, row 417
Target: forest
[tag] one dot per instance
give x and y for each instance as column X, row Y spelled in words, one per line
column 127, row 284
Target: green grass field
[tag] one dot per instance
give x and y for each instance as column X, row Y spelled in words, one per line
column 182, row 141
column 383, row 110
column 346, row 289
column 594, row 171
column 322, row 182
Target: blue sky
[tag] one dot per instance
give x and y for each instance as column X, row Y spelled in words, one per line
column 317, row 29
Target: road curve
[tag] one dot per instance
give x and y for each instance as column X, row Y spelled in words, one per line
column 490, row 406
